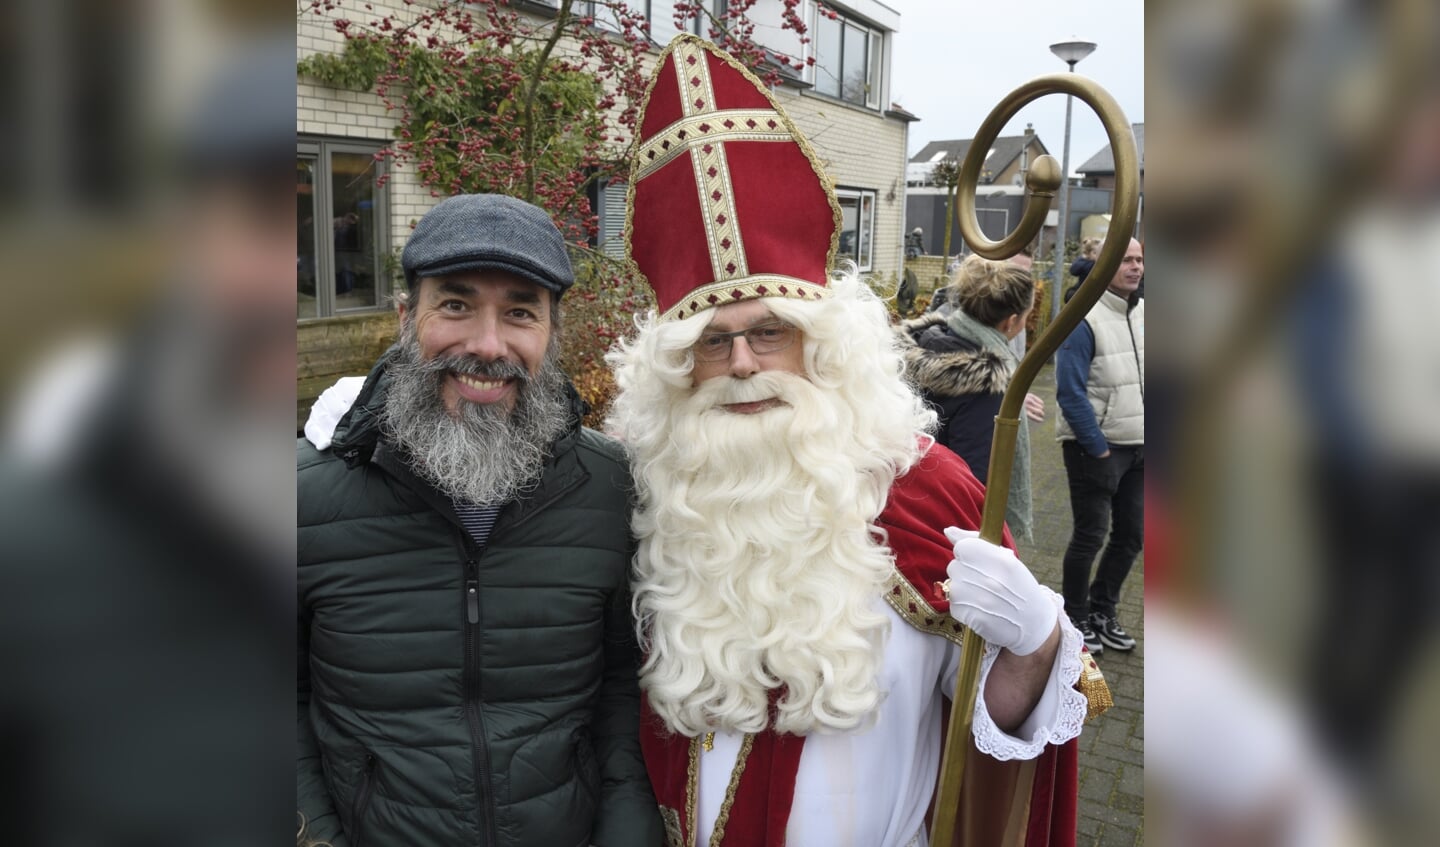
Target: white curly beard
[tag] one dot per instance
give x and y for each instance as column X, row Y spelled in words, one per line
column 757, row 568
column 761, row 566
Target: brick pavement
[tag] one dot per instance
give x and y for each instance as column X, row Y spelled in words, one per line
column 1112, row 747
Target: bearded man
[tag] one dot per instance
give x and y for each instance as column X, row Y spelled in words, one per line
column 793, row 512
column 467, row 658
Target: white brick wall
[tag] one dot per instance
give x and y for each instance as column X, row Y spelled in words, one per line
column 860, row 149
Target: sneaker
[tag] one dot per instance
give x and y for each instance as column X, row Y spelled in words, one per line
column 1109, row 631
column 1092, row 641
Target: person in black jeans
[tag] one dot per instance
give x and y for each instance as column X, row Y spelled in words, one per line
column 1100, row 388
column 1103, row 491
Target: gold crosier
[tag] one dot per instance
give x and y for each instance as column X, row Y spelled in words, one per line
column 1040, row 182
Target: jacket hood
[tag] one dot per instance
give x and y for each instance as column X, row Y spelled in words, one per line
column 942, row 364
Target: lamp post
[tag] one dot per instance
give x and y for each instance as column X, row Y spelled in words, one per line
column 1070, row 52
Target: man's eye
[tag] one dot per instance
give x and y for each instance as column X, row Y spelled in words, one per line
column 452, row 305
column 770, row 333
column 713, row 342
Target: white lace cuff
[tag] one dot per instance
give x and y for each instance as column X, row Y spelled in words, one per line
column 1059, row 715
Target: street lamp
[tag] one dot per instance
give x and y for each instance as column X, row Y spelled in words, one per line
column 1070, row 52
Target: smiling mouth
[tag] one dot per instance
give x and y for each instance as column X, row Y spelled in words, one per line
column 754, row 407
column 480, row 384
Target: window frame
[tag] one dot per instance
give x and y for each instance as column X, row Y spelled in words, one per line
column 600, row 192
column 695, row 23
column 873, row 60
column 862, row 223
column 322, row 149
column 605, row 22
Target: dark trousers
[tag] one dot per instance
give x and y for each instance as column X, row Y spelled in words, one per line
column 1105, row 494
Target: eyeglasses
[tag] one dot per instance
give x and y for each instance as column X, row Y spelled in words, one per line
column 762, row 338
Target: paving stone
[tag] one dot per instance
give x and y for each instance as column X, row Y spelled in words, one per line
column 1115, row 732
column 1120, row 818
column 1132, row 781
column 1117, row 836
column 1097, row 787
column 1129, row 802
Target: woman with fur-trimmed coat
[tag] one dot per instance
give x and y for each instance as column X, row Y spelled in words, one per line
column 962, row 363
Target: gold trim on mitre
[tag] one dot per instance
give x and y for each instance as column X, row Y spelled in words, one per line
column 711, row 128
column 736, row 290
column 725, row 242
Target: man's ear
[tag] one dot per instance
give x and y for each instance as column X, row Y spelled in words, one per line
column 405, row 301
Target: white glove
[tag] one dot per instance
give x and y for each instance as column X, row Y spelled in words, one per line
column 996, row 596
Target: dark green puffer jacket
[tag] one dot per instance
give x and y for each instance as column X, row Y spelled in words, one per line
column 453, row 696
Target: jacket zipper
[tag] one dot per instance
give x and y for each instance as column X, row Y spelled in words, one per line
column 362, row 801
column 473, row 715
column 473, row 693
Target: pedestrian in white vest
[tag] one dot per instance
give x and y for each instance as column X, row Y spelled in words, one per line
column 1100, row 388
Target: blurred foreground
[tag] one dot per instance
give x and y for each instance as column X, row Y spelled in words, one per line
column 1293, row 548
column 146, row 485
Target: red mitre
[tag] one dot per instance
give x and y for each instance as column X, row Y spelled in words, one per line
column 728, row 201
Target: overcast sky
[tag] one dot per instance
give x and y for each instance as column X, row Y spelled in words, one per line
column 955, row 59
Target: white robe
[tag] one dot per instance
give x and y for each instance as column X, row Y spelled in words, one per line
column 872, row 788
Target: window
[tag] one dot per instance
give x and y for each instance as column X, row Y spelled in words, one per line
column 608, row 201
column 659, row 13
column 341, row 239
column 605, row 15
column 662, row 22
column 857, row 211
column 848, row 60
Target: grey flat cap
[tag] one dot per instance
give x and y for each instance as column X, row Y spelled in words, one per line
column 471, row 232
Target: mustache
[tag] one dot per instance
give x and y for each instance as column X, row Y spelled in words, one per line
column 725, row 390
column 474, row 366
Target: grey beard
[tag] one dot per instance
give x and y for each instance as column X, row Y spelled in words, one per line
column 487, row 455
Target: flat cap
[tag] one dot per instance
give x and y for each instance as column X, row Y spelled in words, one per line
column 470, row 232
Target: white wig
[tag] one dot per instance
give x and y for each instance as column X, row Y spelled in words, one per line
column 760, row 564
